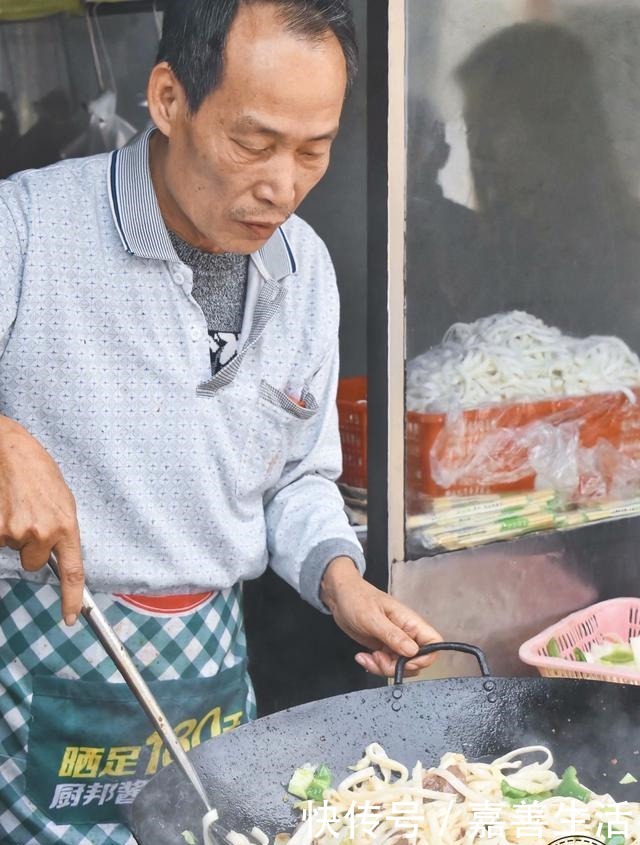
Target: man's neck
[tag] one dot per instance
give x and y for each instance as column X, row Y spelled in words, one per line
column 172, row 215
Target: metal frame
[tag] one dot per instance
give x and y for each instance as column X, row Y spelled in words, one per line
column 385, row 305
column 397, row 149
column 377, row 292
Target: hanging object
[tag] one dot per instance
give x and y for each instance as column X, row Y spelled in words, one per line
column 107, row 130
column 20, row 10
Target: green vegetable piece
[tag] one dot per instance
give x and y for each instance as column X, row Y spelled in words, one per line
column 315, row 792
column 579, row 655
column 570, row 786
column 309, row 782
column 618, row 656
column 323, row 775
column 511, row 792
column 616, row 839
column 553, row 650
column 301, row 781
column 520, row 796
column 628, row 778
column 188, row 837
column 321, row 781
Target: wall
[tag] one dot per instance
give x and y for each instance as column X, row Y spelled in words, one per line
column 337, row 209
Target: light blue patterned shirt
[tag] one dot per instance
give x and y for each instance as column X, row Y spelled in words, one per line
column 183, row 482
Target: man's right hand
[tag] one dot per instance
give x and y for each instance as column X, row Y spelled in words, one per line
column 38, row 512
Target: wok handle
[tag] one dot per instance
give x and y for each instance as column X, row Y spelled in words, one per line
column 478, row 653
column 136, row 683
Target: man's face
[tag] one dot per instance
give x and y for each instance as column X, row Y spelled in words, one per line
column 260, row 142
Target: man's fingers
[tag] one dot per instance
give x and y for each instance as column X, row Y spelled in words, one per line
column 367, row 662
column 377, row 663
column 393, row 636
column 412, row 624
column 420, row 663
column 34, row 555
column 69, row 557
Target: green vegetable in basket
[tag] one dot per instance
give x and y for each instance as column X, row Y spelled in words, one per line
column 616, row 839
column 618, row 655
column 553, row 650
column 579, row 655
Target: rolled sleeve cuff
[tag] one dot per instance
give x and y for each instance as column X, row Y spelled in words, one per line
column 314, row 567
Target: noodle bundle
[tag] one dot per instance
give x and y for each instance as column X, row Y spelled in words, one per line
column 515, row 356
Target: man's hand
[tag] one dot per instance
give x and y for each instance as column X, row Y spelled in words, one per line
column 38, row 512
column 375, row 620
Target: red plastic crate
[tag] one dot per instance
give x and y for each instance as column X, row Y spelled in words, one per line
column 352, row 415
column 606, row 416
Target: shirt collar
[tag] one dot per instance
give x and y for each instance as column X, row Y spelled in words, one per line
column 139, row 223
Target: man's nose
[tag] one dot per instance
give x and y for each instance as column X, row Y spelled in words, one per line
column 278, row 184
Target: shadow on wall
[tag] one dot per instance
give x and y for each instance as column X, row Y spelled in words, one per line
column 557, row 233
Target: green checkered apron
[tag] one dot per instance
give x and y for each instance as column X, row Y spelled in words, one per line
column 67, row 721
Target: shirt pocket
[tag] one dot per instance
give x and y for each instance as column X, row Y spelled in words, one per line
column 277, row 425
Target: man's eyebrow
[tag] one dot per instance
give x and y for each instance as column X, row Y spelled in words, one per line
column 246, row 123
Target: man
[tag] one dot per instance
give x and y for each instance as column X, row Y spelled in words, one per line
column 169, row 364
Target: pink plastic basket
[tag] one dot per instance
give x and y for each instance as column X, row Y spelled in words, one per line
column 583, row 630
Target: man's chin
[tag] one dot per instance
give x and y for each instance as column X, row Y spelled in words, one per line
column 238, row 246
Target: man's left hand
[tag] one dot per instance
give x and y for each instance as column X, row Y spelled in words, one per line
column 375, row 620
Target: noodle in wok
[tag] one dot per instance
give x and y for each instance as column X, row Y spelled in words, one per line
column 468, row 803
column 458, row 802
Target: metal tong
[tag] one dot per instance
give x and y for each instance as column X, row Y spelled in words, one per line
column 134, row 680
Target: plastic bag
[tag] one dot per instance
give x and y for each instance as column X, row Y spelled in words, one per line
column 585, row 448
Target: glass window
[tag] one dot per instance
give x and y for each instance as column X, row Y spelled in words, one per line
column 522, row 269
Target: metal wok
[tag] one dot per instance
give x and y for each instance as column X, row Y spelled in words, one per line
column 594, row 726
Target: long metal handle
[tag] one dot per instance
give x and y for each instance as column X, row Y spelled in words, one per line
column 136, row 683
column 433, row 647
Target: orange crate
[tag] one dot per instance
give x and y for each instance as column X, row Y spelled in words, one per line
column 352, row 415
column 606, row 416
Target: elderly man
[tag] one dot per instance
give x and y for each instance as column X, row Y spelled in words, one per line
column 169, row 359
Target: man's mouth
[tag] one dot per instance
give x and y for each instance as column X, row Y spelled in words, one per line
column 259, row 229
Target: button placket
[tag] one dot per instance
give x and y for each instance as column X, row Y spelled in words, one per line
column 182, row 277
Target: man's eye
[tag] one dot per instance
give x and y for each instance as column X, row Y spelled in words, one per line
column 252, row 149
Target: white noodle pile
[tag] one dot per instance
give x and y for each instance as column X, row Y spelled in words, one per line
column 383, row 785
column 516, row 356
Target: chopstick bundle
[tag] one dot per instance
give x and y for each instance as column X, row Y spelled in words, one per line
column 454, row 524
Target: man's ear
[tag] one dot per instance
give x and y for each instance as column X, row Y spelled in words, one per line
column 166, row 98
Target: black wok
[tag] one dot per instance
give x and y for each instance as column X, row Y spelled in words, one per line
column 594, row 726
